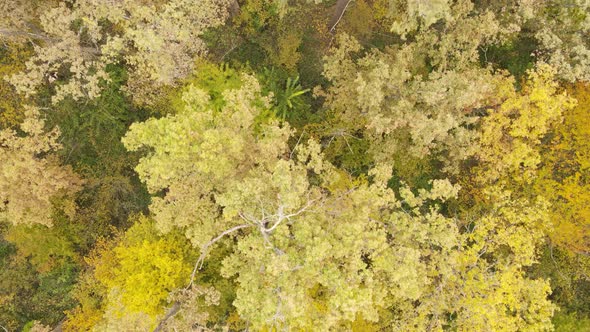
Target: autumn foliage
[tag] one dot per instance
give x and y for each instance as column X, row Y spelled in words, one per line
column 271, row 165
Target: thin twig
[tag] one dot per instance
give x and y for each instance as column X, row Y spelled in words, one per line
column 346, row 141
column 230, row 50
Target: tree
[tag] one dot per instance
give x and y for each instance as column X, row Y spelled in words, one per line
column 435, row 181
column 34, row 286
column 12, row 59
column 386, row 98
column 46, row 249
column 511, row 134
column 156, row 40
column 563, row 161
column 421, row 14
column 19, row 19
column 561, row 30
column 557, row 29
column 31, row 177
column 316, row 247
column 130, row 279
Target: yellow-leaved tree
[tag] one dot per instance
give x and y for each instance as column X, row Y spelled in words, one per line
column 512, row 133
column 564, row 174
column 134, row 276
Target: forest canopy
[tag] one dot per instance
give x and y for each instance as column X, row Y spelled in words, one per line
column 271, row 165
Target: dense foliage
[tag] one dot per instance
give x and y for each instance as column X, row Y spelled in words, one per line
column 266, row 165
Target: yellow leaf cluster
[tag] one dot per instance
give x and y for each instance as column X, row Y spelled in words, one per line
column 563, row 175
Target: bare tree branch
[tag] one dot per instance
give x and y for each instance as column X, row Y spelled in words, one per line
column 171, row 312
column 282, row 217
column 205, row 249
column 7, row 33
column 296, row 144
column 341, row 13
